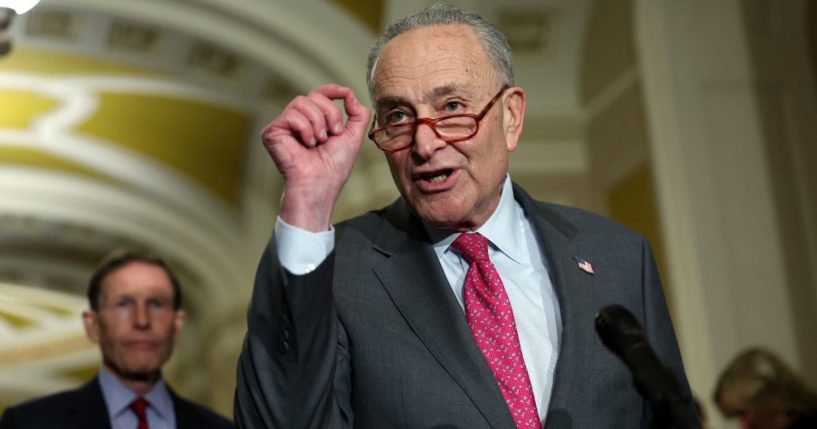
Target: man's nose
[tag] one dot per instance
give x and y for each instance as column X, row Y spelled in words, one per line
column 426, row 141
column 141, row 318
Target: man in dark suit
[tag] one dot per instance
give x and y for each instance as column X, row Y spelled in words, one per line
column 463, row 304
column 135, row 317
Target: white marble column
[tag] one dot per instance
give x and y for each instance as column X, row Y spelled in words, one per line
column 720, row 213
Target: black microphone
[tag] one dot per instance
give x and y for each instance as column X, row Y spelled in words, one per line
column 620, row 331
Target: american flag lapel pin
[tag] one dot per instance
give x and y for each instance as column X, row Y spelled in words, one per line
column 584, row 265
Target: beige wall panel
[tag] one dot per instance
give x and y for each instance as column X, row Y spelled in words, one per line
column 609, row 49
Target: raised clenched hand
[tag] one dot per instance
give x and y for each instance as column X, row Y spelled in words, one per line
column 315, row 151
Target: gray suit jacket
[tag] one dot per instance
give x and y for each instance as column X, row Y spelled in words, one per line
column 375, row 338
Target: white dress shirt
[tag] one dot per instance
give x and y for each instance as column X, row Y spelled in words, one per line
column 515, row 253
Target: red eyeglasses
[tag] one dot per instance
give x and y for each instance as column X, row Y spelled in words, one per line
column 451, row 129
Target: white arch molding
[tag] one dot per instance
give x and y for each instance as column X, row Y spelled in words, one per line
column 300, row 42
column 154, row 205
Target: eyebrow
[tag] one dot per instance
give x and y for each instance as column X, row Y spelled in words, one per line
column 140, row 296
column 442, row 91
column 390, row 101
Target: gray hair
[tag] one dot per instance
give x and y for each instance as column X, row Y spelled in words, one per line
column 492, row 40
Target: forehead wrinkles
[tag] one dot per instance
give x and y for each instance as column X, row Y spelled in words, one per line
column 404, row 69
column 425, row 87
column 398, row 85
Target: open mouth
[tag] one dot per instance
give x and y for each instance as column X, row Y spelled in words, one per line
column 437, row 176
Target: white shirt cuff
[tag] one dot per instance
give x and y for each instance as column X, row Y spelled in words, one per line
column 301, row 251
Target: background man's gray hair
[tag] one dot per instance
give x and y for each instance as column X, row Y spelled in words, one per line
column 492, row 40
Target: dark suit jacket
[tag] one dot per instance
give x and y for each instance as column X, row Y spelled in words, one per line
column 375, row 338
column 84, row 408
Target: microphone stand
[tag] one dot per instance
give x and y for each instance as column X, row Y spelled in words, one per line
column 621, row 332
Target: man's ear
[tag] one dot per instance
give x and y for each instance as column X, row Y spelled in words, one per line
column 514, row 116
column 178, row 320
column 91, row 322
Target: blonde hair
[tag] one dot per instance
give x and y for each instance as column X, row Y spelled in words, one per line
column 758, row 379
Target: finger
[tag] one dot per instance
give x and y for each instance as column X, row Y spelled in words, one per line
column 291, row 123
column 336, row 92
column 331, row 111
column 315, row 113
column 359, row 116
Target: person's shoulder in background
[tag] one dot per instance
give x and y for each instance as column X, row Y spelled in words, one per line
column 47, row 411
column 191, row 415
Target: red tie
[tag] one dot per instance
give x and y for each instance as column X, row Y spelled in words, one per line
column 490, row 318
column 140, row 406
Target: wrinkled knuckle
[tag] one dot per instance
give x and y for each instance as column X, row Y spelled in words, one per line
column 267, row 135
column 298, row 101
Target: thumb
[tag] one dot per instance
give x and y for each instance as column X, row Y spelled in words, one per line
column 358, row 115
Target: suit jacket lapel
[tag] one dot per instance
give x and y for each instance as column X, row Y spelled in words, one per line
column 424, row 298
column 184, row 418
column 413, row 278
column 574, row 289
column 88, row 410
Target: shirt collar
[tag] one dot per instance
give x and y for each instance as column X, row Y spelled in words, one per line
column 118, row 397
column 501, row 229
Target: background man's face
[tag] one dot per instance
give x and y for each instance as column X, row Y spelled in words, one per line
column 436, row 71
column 136, row 325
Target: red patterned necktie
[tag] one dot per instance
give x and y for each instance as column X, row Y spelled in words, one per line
column 490, row 318
column 140, row 406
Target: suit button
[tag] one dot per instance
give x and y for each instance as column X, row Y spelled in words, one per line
column 283, row 335
column 283, row 328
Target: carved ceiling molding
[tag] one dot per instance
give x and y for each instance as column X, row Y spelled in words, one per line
column 148, row 47
column 42, row 341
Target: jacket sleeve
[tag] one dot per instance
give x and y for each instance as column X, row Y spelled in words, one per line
column 658, row 327
column 288, row 372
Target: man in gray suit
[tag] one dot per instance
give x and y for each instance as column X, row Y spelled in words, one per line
column 464, row 303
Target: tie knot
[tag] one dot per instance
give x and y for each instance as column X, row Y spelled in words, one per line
column 472, row 246
column 139, row 405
